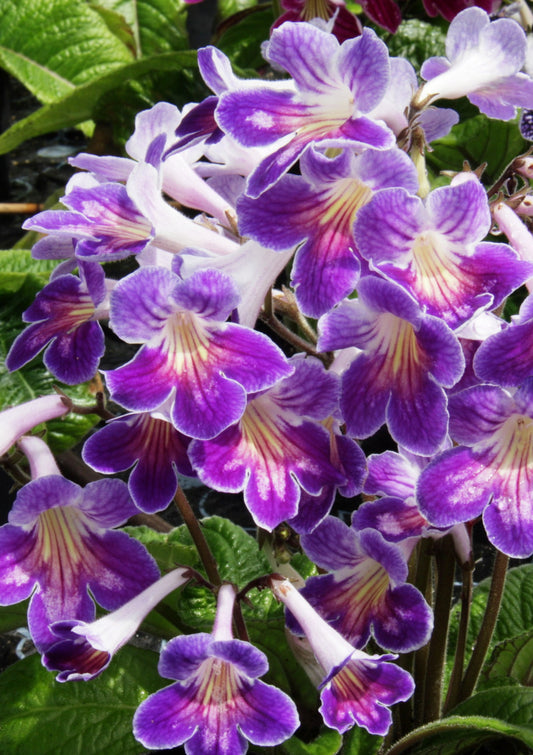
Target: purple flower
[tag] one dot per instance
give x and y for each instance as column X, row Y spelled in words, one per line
column 333, row 87
column 366, row 588
column 434, row 249
column 191, row 356
column 277, row 448
column 217, row 702
column 63, row 320
column 85, row 650
column 483, row 62
column 59, row 544
column 357, row 687
column 490, row 471
column 407, row 358
column 150, row 442
column 319, row 208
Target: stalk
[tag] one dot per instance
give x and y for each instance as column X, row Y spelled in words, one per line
column 487, row 627
column 445, row 560
column 452, row 697
column 193, row 525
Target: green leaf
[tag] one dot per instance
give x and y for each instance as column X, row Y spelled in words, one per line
column 81, row 103
column 462, row 734
column 359, row 742
column 328, row 742
column 516, row 612
column 240, row 36
column 40, row 715
column 157, row 25
column 512, row 705
column 417, row 40
column 52, row 46
column 478, row 140
column 13, row 617
column 512, row 659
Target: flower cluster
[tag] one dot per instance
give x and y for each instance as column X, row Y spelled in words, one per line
column 292, row 198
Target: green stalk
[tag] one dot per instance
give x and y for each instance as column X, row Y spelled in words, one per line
column 445, row 561
column 424, row 584
column 486, row 631
column 452, row 697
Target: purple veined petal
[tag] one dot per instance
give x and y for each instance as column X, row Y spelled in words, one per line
column 478, row 412
column 392, row 474
column 385, row 13
column 437, row 122
column 105, row 167
column 396, row 519
column 307, row 54
column 506, row 358
column 454, row 487
column 364, row 67
column 309, row 391
column 150, row 443
column 460, row 211
column 16, row 583
column 332, row 545
column 344, row 702
column 312, row 510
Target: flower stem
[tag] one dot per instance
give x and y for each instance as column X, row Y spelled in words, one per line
column 486, row 631
column 423, row 583
column 460, row 649
column 193, row 525
column 445, row 560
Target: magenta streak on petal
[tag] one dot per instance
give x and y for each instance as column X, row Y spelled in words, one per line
column 403, row 362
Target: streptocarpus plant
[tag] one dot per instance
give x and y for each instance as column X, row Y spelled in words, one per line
column 303, row 195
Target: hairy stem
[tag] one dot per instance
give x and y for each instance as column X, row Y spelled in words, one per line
column 445, row 560
column 486, row 631
column 452, row 697
column 193, row 525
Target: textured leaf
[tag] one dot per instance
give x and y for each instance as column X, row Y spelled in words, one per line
column 328, row 742
column 512, row 659
column 157, row 25
column 39, row 715
column 52, row 46
column 80, row 105
column 512, row 705
column 478, row 140
column 240, row 36
column 465, row 734
column 516, row 613
column 417, row 40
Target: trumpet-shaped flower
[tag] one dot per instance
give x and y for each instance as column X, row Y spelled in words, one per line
column 489, row 473
column 434, row 249
column 342, row 24
column 58, row 544
column 191, row 356
column 357, row 687
column 277, row 448
column 407, row 358
column 335, row 86
column 63, row 321
column 483, row 62
column 85, row 650
column 217, row 703
column 366, row 588
column 149, row 441
column 19, row 420
column 319, row 208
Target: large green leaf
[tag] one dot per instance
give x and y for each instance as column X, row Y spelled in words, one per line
column 512, row 659
column 417, row 40
column 39, row 715
column 516, row 613
column 478, row 140
column 328, row 742
column 52, row 46
column 80, row 105
column 459, row 735
column 240, row 36
column 157, row 25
